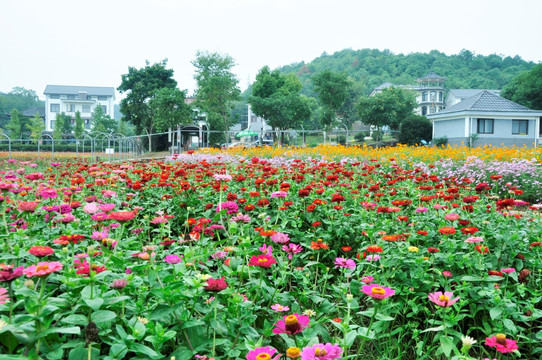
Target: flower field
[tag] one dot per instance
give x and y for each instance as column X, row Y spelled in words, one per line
column 259, row 254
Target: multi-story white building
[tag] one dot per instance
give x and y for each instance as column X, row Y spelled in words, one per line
column 70, row 99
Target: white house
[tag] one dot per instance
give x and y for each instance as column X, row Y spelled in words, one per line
column 486, row 118
column 70, row 99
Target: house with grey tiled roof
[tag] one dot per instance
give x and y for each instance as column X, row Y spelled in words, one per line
column 488, row 119
column 457, row 95
column 71, row 99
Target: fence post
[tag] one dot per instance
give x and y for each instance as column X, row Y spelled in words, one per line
column 9, row 145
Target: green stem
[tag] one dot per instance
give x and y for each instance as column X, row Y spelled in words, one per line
column 316, row 275
column 367, row 332
column 89, row 351
column 214, row 330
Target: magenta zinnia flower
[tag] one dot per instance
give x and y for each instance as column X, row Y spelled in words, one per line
column 292, row 324
column 263, row 353
column 263, row 260
column 9, row 273
column 321, row 352
column 377, row 291
column 3, row 296
column 345, row 263
column 502, row 344
column 441, row 299
column 216, row 284
column 230, row 206
column 280, row 238
column 172, row 259
column 42, row 269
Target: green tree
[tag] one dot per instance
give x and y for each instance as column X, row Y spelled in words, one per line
column 277, row 98
column 388, row 108
column 414, row 129
column 526, row 88
column 216, row 91
column 67, row 127
column 79, row 126
column 100, row 122
column 333, row 90
column 36, row 127
column 169, row 109
column 59, row 125
column 19, row 98
column 14, row 125
column 140, row 85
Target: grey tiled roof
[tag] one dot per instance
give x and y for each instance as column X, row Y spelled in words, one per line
column 432, row 75
column 383, row 86
column 36, row 109
column 74, row 90
column 467, row 93
column 486, row 101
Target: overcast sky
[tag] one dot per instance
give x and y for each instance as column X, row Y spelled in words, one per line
column 92, row 43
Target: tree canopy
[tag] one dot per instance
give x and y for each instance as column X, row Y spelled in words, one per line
column 140, row 86
column 526, row 88
column 388, row 108
column 169, row 109
column 277, row 98
column 19, row 98
column 332, row 91
column 216, row 90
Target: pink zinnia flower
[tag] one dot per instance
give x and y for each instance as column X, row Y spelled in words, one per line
column 8, row 273
column 28, row 206
column 508, row 270
column 230, row 206
column 377, row 291
column 321, row 352
column 502, row 344
column 474, row 239
column 279, row 308
column 373, row 257
column 42, row 269
column 292, row 324
column 3, row 296
column 446, row 273
column 441, row 299
column 106, row 207
column 262, row 260
column 292, row 249
column 451, row 217
column 119, row 284
column 90, row 208
column 367, row 279
column 280, row 238
column 41, row 251
column 279, row 194
column 263, row 353
column 222, row 177
column 240, row 218
column 172, row 259
column 345, row 263
column 266, row 249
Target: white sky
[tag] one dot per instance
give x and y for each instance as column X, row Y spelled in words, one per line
column 92, row 43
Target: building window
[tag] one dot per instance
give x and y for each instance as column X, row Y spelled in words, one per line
column 54, row 96
column 70, row 108
column 440, row 96
column 87, row 124
column 52, row 124
column 520, row 127
column 432, row 109
column 86, row 108
column 424, row 110
column 55, row 107
column 104, row 108
column 102, row 98
column 424, row 96
column 485, row 126
column 433, row 96
column 71, row 97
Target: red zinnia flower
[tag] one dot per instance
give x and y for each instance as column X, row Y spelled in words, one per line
column 432, row 250
column 316, row 224
column 469, row 230
column 317, row 245
column 122, row 216
column 216, row 284
column 482, row 249
column 447, row 230
column 263, row 260
column 40, row 251
column 374, row 249
column 66, row 239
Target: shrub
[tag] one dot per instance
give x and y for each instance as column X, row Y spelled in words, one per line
column 360, row 137
column 414, row 129
column 441, row 141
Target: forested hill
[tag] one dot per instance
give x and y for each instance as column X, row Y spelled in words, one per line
column 370, row 68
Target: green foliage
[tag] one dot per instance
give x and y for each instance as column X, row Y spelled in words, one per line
column 36, row 127
column 102, row 123
column 14, row 125
column 369, row 68
column 333, row 90
column 140, row 85
column 360, row 136
column 526, row 88
column 276, row 98
column 169, row 109
column 441, row 141
column 216, row 90
column 60, row 125
column 79, row 126
column 388, row 108
column 19, row 98
column 414, row 129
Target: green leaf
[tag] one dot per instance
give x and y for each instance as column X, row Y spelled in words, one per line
column 446, row 345
column 95, row 303
column 350, row 337
column 75, row 319
column 145, row 350
column 509, row 324
column 76, row 330
column 192, row 323
column 82, row 353
column 9, row 340
column 101, row 316
column 495, row 313
column 438, row 328
column 362, row 331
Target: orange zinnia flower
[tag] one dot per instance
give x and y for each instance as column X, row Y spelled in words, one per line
column 319, row 244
